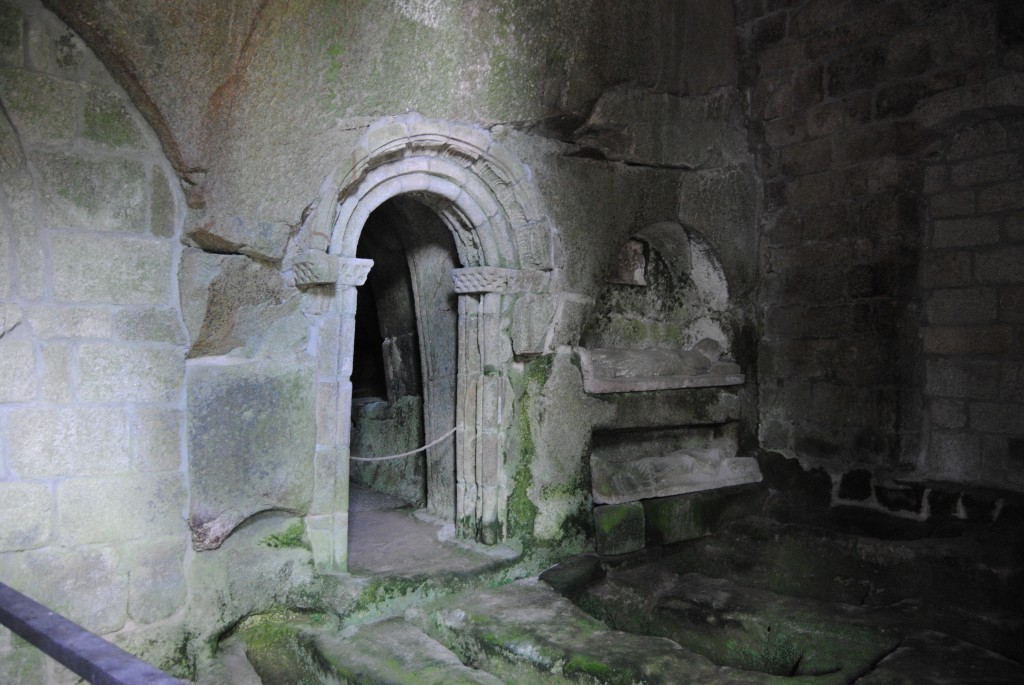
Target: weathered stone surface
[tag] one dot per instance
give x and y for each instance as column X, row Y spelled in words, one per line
column 163, row 206
column 70, row 322
column 25, row 240
column 557, row 469
column 108, row 121
column 10, row 316
column 251, row 439
column 156, row 584
column 87, row 586
column 6, row 253
column 619, row 528
column 25, row 664
column 228, row 300
column 105, row 194
column 620, row 370
column 745, row 628
column 396, row 650
column 44, row 109
column 11, row 20
column 17, row 371
column 140, row 373
column 136, row 270
column 664, row 130
column 531, row 322
column 525, row 632
column 688, row 470
column 722, row 205
column 57, row 372
column 44, row 443
column 157, row 439
column 25, row 513
column 697, row 514
column 149, row 325
column 118, row 508
column 263, row 240
column 933, row 657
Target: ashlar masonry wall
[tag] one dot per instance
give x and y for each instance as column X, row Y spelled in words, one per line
column 92, row 345
column 887, row 139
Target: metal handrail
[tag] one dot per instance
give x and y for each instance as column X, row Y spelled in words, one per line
column 85, row 653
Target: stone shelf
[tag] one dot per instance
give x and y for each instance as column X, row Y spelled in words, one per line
column 615, row 370
column 617, row 481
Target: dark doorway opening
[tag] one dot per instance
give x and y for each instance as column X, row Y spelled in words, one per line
column 405, row 360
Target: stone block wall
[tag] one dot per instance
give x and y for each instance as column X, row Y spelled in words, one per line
column 92, row 345
column 888, row 259
column 972, row 281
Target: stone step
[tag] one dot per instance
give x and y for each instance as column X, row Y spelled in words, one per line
column 295, row 649
column 525, row 633
column 393, row 652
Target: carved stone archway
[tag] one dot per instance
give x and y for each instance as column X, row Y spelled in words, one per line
column 506, row 245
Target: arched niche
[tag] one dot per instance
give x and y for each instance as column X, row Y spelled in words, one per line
column 506, row 247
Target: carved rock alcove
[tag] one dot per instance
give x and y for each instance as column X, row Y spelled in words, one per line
column 660, row 339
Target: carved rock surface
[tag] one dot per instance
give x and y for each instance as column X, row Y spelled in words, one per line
column 228, row 301
column 251, row 438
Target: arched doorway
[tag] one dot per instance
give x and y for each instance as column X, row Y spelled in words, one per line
column 506, row 247
column 404, row 357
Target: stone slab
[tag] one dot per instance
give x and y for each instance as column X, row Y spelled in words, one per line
column 689, row 470
column 602, row 372
column 526, row 633
column 696, row 514
column 394, row 651
column 251, row 440
column 938, row 659
column 619, row 528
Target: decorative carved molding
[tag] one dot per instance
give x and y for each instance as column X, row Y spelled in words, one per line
column 315, row 268
column 492, row 279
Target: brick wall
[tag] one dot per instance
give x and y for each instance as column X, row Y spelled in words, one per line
column 890, row 267
column 91, row 346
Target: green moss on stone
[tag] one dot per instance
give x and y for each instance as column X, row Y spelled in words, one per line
column 294, row 536
column 584, row 664
column 611, row 518
column 108, row 122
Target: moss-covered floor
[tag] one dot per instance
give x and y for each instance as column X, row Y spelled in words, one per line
column 758, row 602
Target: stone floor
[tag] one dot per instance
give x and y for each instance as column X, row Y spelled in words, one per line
column 386, row 537
column 758, row 602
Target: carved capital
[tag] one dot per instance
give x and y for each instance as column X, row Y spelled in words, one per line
column 493, row 279
column 353, row 271
column 315, row 268
column 321, row 268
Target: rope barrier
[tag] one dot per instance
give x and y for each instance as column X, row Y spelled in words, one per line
column 405, row 454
